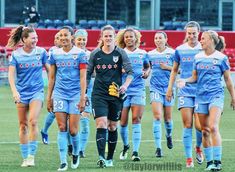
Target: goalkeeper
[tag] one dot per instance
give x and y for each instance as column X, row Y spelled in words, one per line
column 108, row 60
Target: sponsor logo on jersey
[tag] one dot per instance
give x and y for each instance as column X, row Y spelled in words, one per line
column 115, row 59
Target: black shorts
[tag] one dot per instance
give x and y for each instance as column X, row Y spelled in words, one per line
column 105, row 107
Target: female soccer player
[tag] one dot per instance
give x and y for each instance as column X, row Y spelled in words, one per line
column 209, row 66
column 184, row 57
column 81, row 38
column 129, row 39
column 26, row 65
column 161, row 60
column 108, row 62
column 50, row 116
column 67, row 81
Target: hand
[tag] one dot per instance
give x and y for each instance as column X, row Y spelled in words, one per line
column 82, row 104
column 233, row 104
column 16, row 97
column 122, row 89
column 163, row 66
column 145, row 74
column 180, row 83
column 123, row 70
column 169, row 95
column 49, row 105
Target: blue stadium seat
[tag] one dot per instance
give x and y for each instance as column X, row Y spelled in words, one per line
column 177, row 25
column 95, row 28
column 112, row 23
column 58, row 23
column 68, row 23
column 49, row 24
column 121, row 24
column 101, row 23
column 183, row 24
column 83, row 24
column 92, row 23
column 168, row 25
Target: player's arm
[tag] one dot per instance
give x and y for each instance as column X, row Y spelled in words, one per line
column 165, row 67
column 90, row 67
column 11, row 79
column 230, row 87
column 51, row 83
column 146, row 71
column 83, row 72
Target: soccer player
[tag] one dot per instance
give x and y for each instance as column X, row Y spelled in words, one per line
column 26, row 82
column 129, row 39
column 50, row 116
column 108, row 61
column 209, row 66
column 67, row 81
column 81, row 38
column 161, row 60
column 184, row 57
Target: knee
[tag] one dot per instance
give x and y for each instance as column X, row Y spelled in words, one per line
column 102, row 124
column 73, row 131
column 214, row 129
column 136, row 119
column 23, row 128
column 62, row 127
column 187, row 125
column 33, row 123
column 206, row 132
column 157, row 116
column 112, row 127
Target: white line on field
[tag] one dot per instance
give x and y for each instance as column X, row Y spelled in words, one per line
column 144, row 141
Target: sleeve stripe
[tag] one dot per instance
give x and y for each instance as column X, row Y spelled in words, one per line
column 82, row 65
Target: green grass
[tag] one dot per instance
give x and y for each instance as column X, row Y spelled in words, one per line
column 47, row 158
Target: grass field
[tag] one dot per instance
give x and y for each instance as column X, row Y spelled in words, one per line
column 47, row 158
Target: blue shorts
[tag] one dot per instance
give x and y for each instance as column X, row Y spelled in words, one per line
column 186, row 102
column 156, row 97
column 205, row 108
column 67, row 106
column 88, row 108
column 36, row 96
column 134, row 100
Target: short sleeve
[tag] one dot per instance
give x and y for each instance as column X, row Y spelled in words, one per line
column 51, row 59
column 12, row 60
column 225, row 64
column 176, row 56
column 44, row 57
column 82, row 56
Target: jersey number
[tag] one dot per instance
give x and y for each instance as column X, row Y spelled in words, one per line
column 58, row 104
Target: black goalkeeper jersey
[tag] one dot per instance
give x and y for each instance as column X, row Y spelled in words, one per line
column 108, row 69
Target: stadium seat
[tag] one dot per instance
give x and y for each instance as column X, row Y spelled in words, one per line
column 49, row 24
column 121, row 24
column 58, row 23
column 92, row 23
column 232, row 60
column 68, row 23
column 177, row 25
column 95, row 28
column 168, row 25
column 113, row 23
column 101, row 23
column 83, row 24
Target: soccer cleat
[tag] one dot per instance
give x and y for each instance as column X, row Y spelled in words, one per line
column 63, row 167
column 75, row 161
column 124, row 152
column 70, row 150
column 44, row 138
column 30, row 161
column 169, row 142
column 81, row 154
column 24, row 163
column 158, row 153
column 199, row 155
column 209, row 166
column 217, row 165
column 109, row 163
column 101, row 162
column 189, row 163
column 135, row 156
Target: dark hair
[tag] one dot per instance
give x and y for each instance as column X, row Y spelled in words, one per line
column 192, row 24
column 69, row 28
column 17, row 35
column 106, row 27
column 165, row 36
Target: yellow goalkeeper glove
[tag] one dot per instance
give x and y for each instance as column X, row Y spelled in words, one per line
column 114, row 89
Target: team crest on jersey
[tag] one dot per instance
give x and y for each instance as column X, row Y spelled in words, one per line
column 38, row 57
column 75, row 56
column 167, row 56
column 215, row 61
column 115, row 59
column 141, row 56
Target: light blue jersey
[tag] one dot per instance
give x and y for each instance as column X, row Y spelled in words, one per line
column 184, row 56
column 29, row 67
column 67, row 82
column 160, row 78
column 209, row 72
column 138, row 58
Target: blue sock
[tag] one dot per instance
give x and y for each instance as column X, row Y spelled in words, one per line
column 124, row 134
column 157, row 133
column 198, row 138
column 168, row 127
column 187, row 141
column 48, row 121
column 69, row 138
column 136, row 136
column 75, row 143
column 217, row 153
column 208, row 153
column 24, row 150
column 84, row 133
column 62, row 146
column 33, row 146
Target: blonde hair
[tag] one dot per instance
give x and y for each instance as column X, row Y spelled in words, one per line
column 106, row 27
column 120, row 37
column 17, row 35
column 191, row 24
